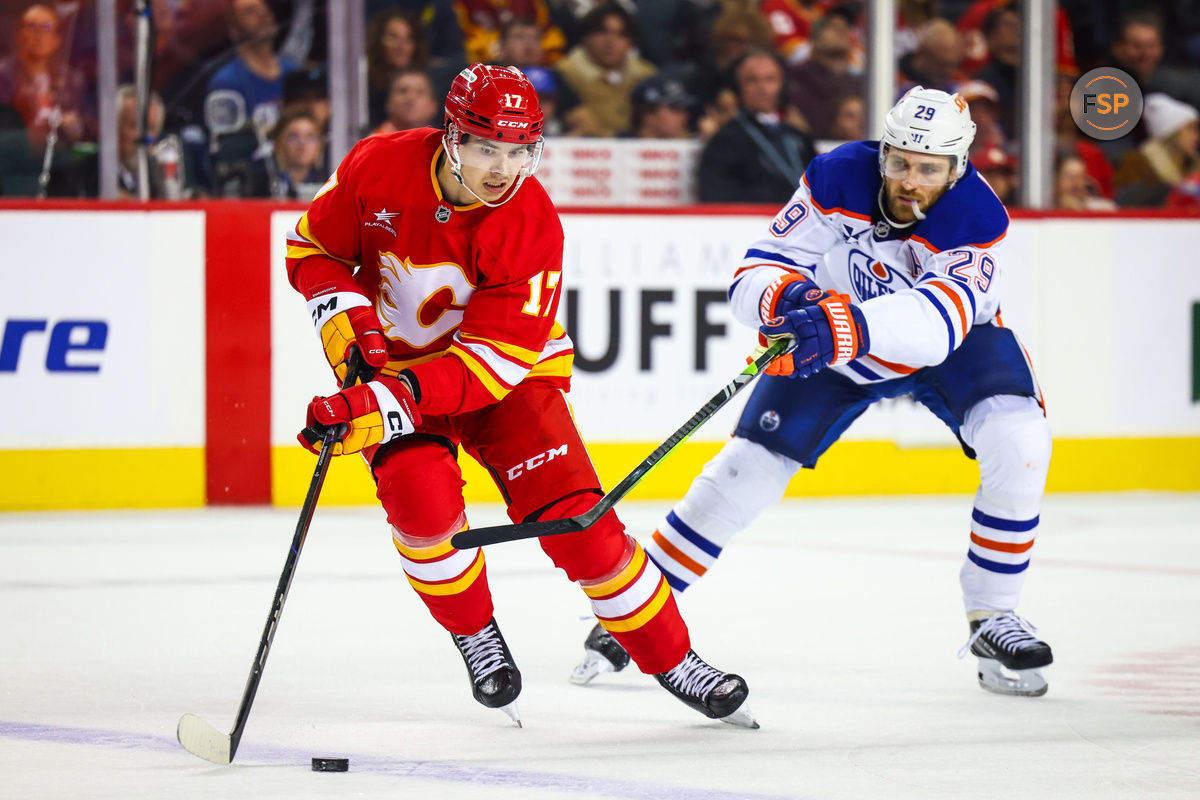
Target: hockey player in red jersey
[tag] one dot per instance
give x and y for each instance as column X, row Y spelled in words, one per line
column 440, row 256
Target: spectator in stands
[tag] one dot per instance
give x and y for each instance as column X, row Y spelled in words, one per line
column 308, row 89
column 827, row 75
column 255, row 75
column 293, row 169
column 411, row 103
column 911, row 16
column 38, row 82
column 999, row 169
column 661, row 109
column 482, row 23
column 395, row 42
column 548, row 88
column 739, row 29
column 973, row 24
column 674, row 34
column 18, row 169
column 1069, row 140
column 1075, row 190
column 1138, row 50
column 849, row 119
column 1171, row 153
column 1002, row 32
column 935, row 63
column 984, row 103
column 758, row 157
column 439, row 23
column 602, row 71
column 791, row 26
column 520, row 44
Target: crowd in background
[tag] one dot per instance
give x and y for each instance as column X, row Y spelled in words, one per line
column 241, row 102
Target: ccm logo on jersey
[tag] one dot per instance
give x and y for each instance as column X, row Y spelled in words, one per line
column 535, row 462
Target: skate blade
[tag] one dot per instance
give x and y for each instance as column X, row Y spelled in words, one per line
column 1018, row 682
column 513, row 713
column 593, row 664
column 741, row 717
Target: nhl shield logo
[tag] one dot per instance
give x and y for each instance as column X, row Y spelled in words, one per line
column 882, row 230
column 443, row 213
column 769, row 421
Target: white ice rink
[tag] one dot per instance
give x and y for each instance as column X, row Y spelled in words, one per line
column 844, row 616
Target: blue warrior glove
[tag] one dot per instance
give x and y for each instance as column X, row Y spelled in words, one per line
column 827, row 334
column 787, row 293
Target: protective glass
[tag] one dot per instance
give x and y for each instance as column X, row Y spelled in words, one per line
column 927, row 171
column 502, row 158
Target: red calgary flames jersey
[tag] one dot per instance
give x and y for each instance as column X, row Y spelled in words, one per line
column 467, row 294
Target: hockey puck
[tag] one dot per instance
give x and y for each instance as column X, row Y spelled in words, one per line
column 331, row 765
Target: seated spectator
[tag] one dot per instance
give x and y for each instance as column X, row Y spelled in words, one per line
column 37, row 82
column 1002, row 32
column 911, row 16
column 661, row 109
column 548, row 89
column 739, row 29
column 999, row 169
column 791, row 26
column 520, row 44
column 602, row 71
column 165, row 156
column 293, row 169
column 410, row 103
column 1138, row 50
column 827, row 75
column 758, row 157
column 974, row 21
column 482, row 22
column 395, row 42
column 439, row 23
column 1172, row 152
column 255, row 75
column 984, row 102
column 1075, row 190
column 935, row 63
column 849, row 119
column 308, row 89
column 1069, row 140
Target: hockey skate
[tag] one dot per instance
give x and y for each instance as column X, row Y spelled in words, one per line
column 1010, row 656
column 715, row 694
column 601, row 653
column 495, row 679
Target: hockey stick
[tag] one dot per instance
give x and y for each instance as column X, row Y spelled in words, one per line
column 197, row 736
column 553, row 527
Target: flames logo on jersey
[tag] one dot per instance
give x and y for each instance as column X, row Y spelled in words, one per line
column 871, row 278
column 420, row 303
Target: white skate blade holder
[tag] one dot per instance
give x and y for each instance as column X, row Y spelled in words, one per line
column 513, row 713
column 593, row 664
column 1021, row 682
column 742, row 718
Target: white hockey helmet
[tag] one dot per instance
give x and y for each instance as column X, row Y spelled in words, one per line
column 929, row 121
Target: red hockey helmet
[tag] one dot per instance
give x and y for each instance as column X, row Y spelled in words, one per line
column 496, row 103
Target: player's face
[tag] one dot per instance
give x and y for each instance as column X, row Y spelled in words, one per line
column 489, row 167
column 914, row 179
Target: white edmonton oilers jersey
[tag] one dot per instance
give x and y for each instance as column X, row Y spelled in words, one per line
column 920, row 288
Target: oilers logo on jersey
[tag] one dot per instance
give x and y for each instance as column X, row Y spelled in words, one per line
column 871, row 278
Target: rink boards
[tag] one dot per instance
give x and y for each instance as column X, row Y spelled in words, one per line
column 157, row 358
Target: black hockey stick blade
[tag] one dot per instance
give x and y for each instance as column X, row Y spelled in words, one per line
column 554, row 527
column 199, row 737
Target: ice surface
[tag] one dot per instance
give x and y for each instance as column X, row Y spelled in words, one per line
column 843, row 615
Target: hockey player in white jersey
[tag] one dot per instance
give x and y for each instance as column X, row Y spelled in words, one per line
column 883, row 271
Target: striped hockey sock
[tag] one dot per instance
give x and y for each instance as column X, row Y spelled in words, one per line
column 682, row 553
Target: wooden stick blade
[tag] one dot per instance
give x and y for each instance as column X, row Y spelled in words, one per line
column 203, row 740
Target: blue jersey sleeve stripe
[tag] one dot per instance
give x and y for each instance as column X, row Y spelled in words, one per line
column 1012, row 525
column 945, row 317
column 954, row 284
column 693, row 537
column 863, row 371
column 996, row 566
column 756, row 253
